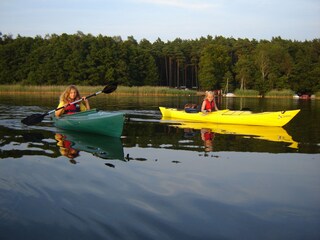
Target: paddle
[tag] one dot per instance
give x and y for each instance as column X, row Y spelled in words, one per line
column 37, row 118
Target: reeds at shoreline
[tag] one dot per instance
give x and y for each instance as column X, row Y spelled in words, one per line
column 135, row 90
column 58, row 89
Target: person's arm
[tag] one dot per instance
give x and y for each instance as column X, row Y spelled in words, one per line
column 203, row 107
column 86, row 102
column 61, row 111
column 84, row 106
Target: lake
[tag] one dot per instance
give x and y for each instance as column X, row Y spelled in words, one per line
column 160, row 180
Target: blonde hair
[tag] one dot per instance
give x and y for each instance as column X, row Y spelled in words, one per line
column 64, row 97
column 207, row 94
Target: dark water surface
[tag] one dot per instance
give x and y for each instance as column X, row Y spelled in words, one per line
column 160, row 180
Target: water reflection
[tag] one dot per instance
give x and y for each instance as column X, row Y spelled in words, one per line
column 207, row 137
column 66, row 148
column 19, row 143
column 208, row 130
column 72, row 143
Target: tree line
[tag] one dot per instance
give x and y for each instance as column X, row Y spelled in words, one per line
column 204, row 63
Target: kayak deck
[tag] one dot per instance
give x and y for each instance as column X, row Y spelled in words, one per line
column 275, row 119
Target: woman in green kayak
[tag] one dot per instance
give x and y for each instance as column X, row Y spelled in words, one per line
column 70, row 95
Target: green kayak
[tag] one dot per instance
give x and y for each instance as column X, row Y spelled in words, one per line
column 92, row 121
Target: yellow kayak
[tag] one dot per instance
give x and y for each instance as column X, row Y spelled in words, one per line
column 275, row 119
column 274, row 134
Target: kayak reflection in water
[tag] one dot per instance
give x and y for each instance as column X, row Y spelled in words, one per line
column 207, row 136
column 188, row 133
column 66, row 148
column 71, row 94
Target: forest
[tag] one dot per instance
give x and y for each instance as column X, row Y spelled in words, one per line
column 202, row 64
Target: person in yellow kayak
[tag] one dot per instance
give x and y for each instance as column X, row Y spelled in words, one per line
column 71, row 94
column 209, row 104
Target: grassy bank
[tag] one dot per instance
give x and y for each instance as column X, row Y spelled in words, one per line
column 246, row 93
column 121, row 90
column 144, row 90
column 280, row 93
column 151, row 90
column 285, row 93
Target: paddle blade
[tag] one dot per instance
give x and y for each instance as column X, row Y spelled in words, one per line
column 110, row 88
column 33, row 119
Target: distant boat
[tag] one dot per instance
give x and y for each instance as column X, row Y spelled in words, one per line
column 230, row 95
column 305, row 96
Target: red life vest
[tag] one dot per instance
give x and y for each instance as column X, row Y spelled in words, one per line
column 67, row 144
column 209, row 105
column 72, row 108
column 208, row 136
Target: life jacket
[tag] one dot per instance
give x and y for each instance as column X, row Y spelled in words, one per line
column 209, row 105
column 67, row 144
column 208, row 136
column 72, row 108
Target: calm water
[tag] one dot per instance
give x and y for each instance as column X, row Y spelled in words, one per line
column 160, row 180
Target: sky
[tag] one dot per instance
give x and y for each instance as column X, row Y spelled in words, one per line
column 165, row 19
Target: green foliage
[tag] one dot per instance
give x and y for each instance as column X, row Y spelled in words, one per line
column 280, row 93
column 245, row 71
column 214, row 62
column 57, row 89
column 246, row 93
column 205, row 63
column 151, row 90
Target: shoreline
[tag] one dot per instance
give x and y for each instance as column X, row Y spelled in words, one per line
column 3, row 93
column 128, row 91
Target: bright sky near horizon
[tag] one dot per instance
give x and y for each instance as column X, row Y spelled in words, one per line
column 164, row 19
